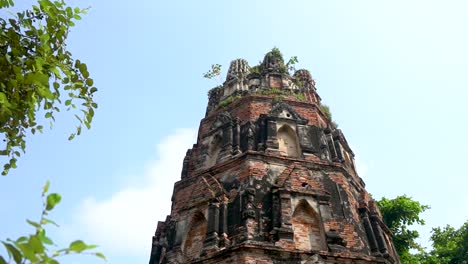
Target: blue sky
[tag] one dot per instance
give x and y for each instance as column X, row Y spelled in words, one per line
column 393, row 73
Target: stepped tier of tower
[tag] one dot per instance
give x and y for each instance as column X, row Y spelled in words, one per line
column 270, row 180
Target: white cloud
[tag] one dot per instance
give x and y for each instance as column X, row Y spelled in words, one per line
column 124, row 223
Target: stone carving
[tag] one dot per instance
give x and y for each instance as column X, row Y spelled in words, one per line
column 249, row 205
column 323, row 145
column 222, row 119
column 248, row 136
column 273, row 62
column 304, row 79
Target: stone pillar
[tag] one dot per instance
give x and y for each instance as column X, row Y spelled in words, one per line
column 211, row 240
column 249, row 214
column 378, row 235
column 262, row 134
column 369, row 232
column 271, row 141
column 223, row 227
column 226, row 150
column 331, row 147
column 285, row 231
column 339, row 150
column 236, row 138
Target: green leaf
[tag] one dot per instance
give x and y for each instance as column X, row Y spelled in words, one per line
column 36, row 225
column 45, row 92
column 91, row 246
column 2, row 260
column 93, row 90
column 78, row 246
column 89, row 82
column 52, row 200
column 36, row 244
column 48, row 221
column 100, row 255
column 44, row 239
column 45, row 189
column 21, row 239
column 38, row 78
column 28, row 252
column 14, row 252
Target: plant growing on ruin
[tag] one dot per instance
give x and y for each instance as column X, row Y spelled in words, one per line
column 326, row 111
column 214, row 72
column 228, row 100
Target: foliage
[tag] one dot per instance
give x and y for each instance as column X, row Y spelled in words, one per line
column 290, row 64
column 36, row 248
column 326, row 111
column 450, row 246
column 398, row 214
column 214, row 72
column 256, row 69
column 275, row 53
column 280, row 92
column 38, row 74
column 6, row 3
column 228, row 100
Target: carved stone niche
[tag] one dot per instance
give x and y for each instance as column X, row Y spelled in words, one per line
column 283, row 123
column 220, row 141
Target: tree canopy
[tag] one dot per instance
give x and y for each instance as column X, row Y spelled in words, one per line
column 449, row 245
column 398, row 214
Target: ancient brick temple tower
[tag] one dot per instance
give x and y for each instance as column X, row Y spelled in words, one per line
column 270, row 180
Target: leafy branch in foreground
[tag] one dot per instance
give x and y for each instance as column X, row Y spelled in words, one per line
column 39, row 75
column 36, row 248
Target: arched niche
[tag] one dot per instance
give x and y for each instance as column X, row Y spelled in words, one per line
column 288, row 143
column 193, row 243
column 308, row 234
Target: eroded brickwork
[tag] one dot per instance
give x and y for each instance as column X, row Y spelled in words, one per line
column 270, row 180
